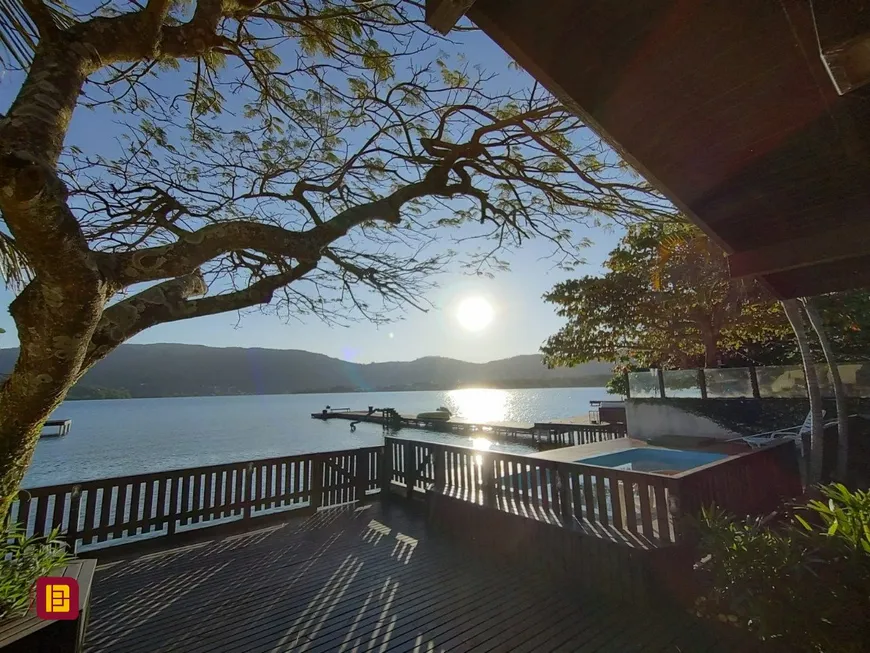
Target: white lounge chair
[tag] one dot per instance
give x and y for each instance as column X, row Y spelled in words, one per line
column 795, row 433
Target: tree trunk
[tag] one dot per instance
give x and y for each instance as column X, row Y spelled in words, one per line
column 49, row 362
column 711, row 347
column 57, row 312
column 813, row 455
column 839, row 390
column 17, row 443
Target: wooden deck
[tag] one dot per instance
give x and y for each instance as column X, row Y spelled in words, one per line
column 358, row 579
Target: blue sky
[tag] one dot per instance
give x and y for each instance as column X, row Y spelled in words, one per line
column 522, row 320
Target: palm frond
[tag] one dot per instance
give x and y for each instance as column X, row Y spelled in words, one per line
column 18, row 34
column 13, row 263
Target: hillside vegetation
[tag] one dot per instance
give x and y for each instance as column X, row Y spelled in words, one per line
column 168, row 370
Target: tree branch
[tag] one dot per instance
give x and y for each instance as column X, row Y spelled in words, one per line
column 170, row 302
column 33, row 202
column 197, row 247
column 200, row 33
column 153, row 15
column 130, row 316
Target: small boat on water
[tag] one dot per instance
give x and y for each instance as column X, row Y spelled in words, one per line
column 443, row 414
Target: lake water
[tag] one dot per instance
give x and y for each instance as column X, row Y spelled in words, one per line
column 122, row 437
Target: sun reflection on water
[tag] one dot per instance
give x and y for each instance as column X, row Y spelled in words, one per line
column 479, row 404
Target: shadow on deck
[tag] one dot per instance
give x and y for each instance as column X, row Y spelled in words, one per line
column 357, row 579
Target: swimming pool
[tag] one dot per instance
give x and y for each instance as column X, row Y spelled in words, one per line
column 653, row 459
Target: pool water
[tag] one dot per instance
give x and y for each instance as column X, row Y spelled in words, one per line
column 650, row 459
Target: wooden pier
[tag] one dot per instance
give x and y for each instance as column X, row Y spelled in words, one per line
column 61, row 426
column 555, row 433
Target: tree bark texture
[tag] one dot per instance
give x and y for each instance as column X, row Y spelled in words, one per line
column 839, row 390
column 814, row 454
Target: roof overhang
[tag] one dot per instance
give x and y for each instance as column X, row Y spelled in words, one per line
column 752, row 117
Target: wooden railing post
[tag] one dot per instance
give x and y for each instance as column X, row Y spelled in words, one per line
column 675, row 509
column 72, row 531
column 173, row 505
column 440, row 468
column 250, row 491
column 316, row 482
column 24, row 499
column 362, row 474
column 487, row 480
column 410, row 469
column 386, row 468
column 563, row 481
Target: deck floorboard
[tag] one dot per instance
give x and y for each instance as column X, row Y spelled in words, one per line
column 357, row 579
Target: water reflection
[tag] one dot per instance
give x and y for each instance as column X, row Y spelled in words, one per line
column 481, row 444
column 479, row 404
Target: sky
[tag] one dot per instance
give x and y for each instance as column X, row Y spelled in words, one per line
column 521, row 320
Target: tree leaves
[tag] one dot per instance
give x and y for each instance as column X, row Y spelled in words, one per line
column 665, row 294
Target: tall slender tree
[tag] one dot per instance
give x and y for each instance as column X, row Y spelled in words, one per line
column 813, row 451
column 840, row 398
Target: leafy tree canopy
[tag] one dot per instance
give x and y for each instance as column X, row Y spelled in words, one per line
column 666, row 299
column 308, row 155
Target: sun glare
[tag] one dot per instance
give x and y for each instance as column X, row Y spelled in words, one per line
column 479, row 405
column 474, row 313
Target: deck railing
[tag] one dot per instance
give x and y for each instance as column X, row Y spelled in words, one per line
column 568, row 435
column 129, row 508
column 753, row 483
column 637, row 508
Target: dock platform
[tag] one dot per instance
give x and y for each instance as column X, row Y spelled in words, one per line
column 554, row 433
column 61, row 426
column 454, row 424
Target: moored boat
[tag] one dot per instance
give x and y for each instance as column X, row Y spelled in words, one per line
column 443, row 414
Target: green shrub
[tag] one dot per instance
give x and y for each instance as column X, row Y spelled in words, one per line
column 804, row 583
column 22, row 560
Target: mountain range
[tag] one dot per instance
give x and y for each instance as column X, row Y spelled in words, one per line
column 172, row 370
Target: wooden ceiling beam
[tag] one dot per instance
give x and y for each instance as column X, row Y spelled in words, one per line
column 843, row 29
column 821, row 279
column 835, row 245
column 442, row 15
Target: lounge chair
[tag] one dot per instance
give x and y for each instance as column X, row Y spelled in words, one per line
column 795, row 433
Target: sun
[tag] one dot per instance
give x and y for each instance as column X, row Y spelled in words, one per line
column 474, row 313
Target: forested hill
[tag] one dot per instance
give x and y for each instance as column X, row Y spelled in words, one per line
column 167, row 370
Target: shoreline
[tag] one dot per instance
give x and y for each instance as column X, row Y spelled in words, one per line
column 347, row 392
